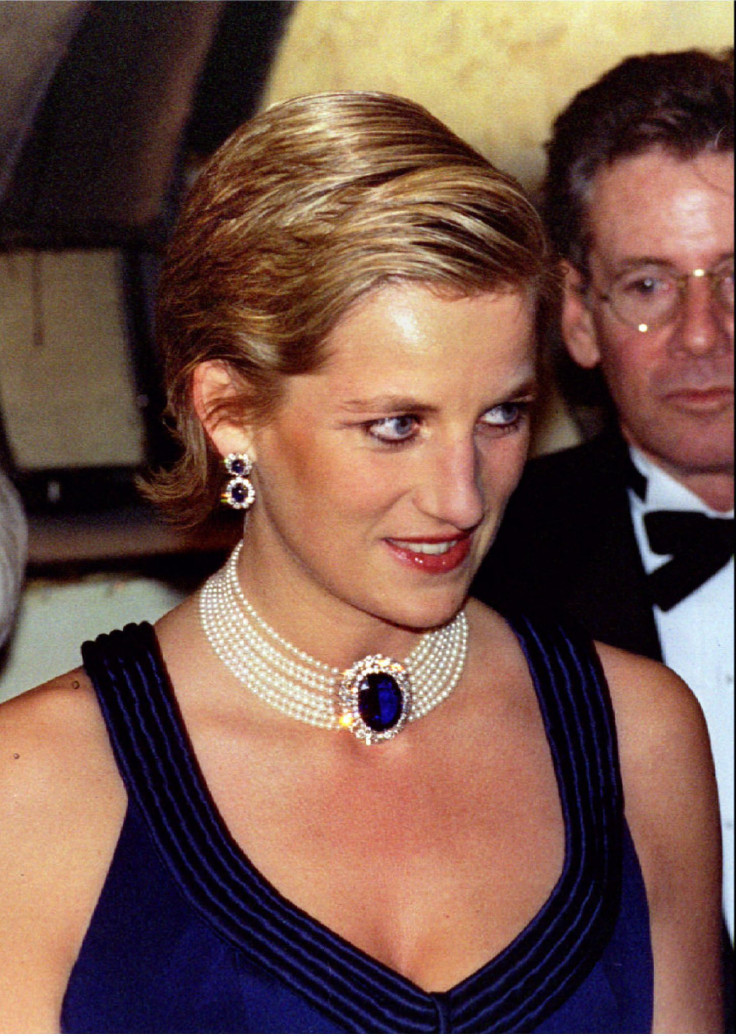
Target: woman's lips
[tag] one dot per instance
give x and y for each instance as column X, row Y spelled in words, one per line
column 432, row 555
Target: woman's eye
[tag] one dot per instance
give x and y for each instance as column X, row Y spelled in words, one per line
column 393, row 429
column 505, row 415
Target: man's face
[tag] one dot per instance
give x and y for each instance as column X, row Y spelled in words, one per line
column 672, row 385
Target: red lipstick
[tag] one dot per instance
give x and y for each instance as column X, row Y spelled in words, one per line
column 436, row 559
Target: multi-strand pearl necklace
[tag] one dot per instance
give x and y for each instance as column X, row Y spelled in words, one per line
column 373, row 698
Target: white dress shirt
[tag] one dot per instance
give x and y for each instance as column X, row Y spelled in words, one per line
column 697, row 638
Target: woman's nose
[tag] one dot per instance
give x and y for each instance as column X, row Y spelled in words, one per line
column 449, row 486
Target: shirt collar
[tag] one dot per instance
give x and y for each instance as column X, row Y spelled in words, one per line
column 665, row 493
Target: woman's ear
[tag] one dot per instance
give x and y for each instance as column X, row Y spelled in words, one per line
column 214, row 386
column 578, row 326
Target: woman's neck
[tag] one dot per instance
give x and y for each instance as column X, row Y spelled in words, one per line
column 314, row 620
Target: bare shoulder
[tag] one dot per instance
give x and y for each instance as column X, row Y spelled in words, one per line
column 671, row 807
column 61, row 808
column 658, row 717
column 54, row 735
column 57, row 773
column 666, row 763
column 56, row 765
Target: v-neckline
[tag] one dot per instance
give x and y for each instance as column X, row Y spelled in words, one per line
column 521, row 983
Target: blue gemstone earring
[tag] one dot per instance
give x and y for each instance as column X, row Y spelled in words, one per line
column 239, row 492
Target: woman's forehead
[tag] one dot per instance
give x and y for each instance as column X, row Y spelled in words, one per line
column 408, row 343
column 415, row 319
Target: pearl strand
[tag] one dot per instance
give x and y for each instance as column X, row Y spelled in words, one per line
column 301, row 686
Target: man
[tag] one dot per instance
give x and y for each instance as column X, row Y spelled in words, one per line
column 639, row 202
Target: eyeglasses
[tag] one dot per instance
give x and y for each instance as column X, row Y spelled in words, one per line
column 650, row 296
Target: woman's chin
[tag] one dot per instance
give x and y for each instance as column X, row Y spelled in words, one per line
column 422, row 616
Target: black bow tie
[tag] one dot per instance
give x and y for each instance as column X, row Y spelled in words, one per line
column 699, row 546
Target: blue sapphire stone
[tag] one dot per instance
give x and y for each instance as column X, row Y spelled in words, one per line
column 380, row 701
column 237, row 466
column 238, row 492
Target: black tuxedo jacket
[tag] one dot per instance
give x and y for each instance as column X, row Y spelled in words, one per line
column 567, row 546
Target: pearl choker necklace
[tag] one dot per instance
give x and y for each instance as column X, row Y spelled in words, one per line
column 373, row 699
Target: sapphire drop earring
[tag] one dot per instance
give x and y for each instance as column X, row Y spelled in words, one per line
column 239, row 492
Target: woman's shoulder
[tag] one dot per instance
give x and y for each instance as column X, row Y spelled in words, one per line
column 671, row 806
column 45, row 719
column 61, row 808
column 667, row 771
column 656, row 712
column 55, row 749
column 57, row 769
column 663, row 741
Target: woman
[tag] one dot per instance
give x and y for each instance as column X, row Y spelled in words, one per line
column 340, row 796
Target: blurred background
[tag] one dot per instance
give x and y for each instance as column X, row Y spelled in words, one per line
column 107, row 109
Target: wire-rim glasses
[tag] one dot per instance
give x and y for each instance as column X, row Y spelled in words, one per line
column 651, row 295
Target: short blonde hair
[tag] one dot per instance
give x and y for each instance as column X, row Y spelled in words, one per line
column 305, row 209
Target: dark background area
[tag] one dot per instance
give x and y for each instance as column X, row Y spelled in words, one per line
column 136, row 91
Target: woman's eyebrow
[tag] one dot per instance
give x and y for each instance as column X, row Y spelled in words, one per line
column 388, row 403
column 394, row 403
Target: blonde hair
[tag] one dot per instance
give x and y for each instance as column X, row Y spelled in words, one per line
column 306, row 208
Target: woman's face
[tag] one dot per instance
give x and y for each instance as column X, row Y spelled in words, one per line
column 382, row 477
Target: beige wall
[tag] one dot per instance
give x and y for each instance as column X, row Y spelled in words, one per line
column 67, row 390
column 496, row 71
